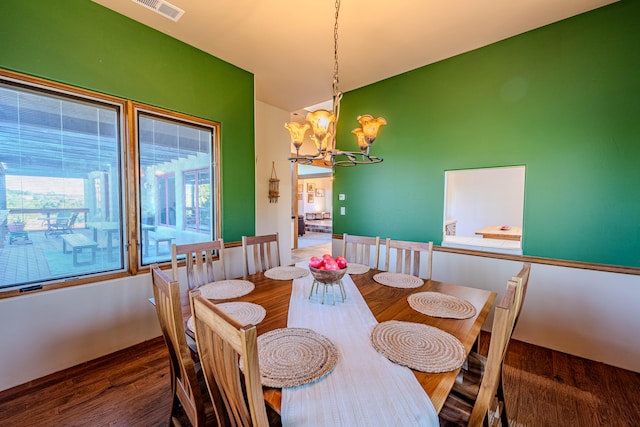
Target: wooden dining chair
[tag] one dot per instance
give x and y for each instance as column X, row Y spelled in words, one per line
column 480, row 403
column 187, row 382
column 265, row 250
column 199, row 262
column 225, row 346
column 358, row 249
column 408, row 257
column 476, row 363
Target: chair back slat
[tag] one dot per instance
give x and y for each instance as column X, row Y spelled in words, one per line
column 265, row 251
column 69, row 224
column 521, row 281
column 358, row 249
column 223, row 344
column 62, row 218
column 363, row 254
column 408, row 257
column 200, row 262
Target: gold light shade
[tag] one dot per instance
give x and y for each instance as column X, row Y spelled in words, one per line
column 297, row 131
column 362, row 142
column 320, row 121
column 371, row 126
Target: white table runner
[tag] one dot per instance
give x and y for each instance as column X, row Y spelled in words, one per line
column 365, row 388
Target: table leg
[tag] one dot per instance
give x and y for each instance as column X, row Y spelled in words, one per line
column 48, row 220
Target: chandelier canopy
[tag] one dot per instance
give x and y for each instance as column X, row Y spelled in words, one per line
column 323, row 124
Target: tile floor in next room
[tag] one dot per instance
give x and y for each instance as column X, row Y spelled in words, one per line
column 311, row 244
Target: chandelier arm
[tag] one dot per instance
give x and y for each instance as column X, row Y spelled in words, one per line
column 367, row 160
column 308, row 158
column 354, row 158
column 349, row 161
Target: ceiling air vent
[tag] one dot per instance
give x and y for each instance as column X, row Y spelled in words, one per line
column 163, row 8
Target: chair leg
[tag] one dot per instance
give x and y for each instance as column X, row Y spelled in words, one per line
column 504, row 420
column 176, row 412
column 175, row 402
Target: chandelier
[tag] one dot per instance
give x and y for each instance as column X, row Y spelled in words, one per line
column 323, row 124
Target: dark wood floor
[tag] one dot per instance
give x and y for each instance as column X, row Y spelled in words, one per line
column 131, row 388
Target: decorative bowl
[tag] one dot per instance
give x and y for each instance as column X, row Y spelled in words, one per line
column 327, row 276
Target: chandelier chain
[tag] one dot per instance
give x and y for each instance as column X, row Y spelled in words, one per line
column 337, row 95
column 336, row 81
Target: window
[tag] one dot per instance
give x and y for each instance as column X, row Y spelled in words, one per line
column 60, row 184
column 66, row 197
column 177, row 181
column 484, row 209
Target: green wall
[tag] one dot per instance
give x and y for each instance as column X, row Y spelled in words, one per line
column 563, row 100
column 83, row 44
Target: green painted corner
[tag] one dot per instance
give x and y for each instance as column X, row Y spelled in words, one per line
column 562, row 100
column 83, row 44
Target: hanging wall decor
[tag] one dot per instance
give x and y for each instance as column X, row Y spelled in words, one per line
column 274, row 183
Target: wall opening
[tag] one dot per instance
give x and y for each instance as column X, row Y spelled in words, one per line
column 484, row 209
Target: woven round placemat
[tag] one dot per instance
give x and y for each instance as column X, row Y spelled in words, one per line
column 291, row 357
column 357, row 268
column 286, row 273
column 417, row 346
column 398, row 280
column 246, row 313
column 226, row 289
column 437, row 304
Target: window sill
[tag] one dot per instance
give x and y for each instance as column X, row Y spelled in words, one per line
column 479, row 244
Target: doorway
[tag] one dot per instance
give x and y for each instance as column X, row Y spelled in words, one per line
column 313, row 207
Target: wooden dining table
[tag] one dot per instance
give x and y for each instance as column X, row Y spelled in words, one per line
column 500, row 232
column 386, row 303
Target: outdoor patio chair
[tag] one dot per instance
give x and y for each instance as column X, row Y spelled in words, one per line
column 62, row 224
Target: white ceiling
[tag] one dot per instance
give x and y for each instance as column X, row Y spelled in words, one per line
column 307, row 170
column 288, row 44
